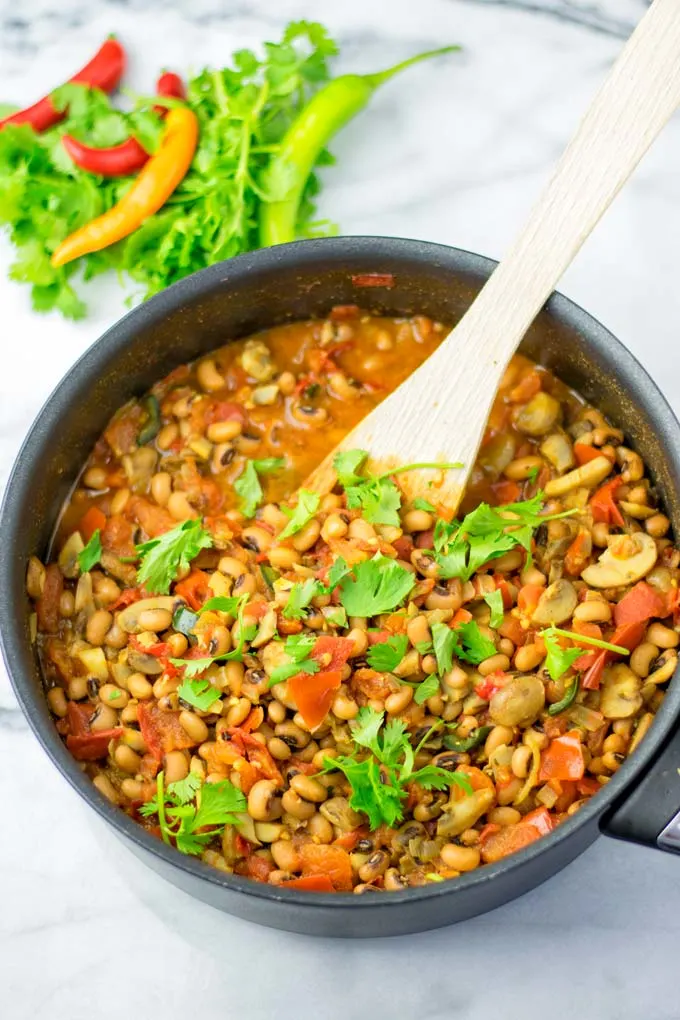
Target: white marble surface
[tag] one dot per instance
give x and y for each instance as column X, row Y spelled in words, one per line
column 454, row 153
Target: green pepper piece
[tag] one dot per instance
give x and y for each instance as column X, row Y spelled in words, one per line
column 567, row 700
column 184, row 621
column 453, row 743
column 326, row 113
column 269, row 575
column 152, row 427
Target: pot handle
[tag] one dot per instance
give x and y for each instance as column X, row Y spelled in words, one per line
column 649, row 814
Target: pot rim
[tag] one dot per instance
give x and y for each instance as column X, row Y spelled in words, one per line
column 112, row 342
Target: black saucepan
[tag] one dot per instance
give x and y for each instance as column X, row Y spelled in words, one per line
column 253, row 292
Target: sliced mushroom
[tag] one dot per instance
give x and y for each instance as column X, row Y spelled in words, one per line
column 558, row 451
column 68, row 557
column 462, row 814
column 519, row 702
column 538, row 416
column 128, row 619
column 84, row 601
column 143, row 663
column 621, row 697
column 556, row 604
column 588, row 475
column 338, row 812
column 257, row 361
column 627, row 559
column 266, row 630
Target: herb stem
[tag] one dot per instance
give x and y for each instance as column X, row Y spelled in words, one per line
column 582, row 639
column 426, row 465
column 162, row 821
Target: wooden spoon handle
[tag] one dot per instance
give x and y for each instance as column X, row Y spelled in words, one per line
column 439, row 412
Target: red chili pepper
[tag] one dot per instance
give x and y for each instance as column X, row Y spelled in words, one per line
column 128, row 157
column 103, row 72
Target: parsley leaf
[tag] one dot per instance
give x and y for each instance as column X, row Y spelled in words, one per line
column 386, row 655
column 380, row 780
column 445, row 644
column 375, row 586
column 163, row 557
column 474, row 646
column 300, row 597
column 91, row 554
column 307, row 505
column 494, row 600
column 426, row 689
column 199, row 693
column 297, row 648
column 247, row 485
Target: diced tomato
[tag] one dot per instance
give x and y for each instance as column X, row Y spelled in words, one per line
column 404, row 547
column 586, row 629
column 127, row 598
column 512, row 628
column 378, row 637
column 225, row 410
column 503, row 587
column 154, row 520
column 331, row 861
column 258, row 867
column 602, row 504
column 563, row 758
column 159, row 649
column 338, row 648
column 528, row 597
column 640, row 604
column 194, row 588
column 92, row 520
column 367, row 683
column 313, row 694
column 578, row 553
column 588, row 786
column 161, row 730
column 253, row 720
column 459, row 617
column 340, row 313
column 511, row 838
column 424, row 540
column 47, row 608
column 349, row 840
column 256, row 609
column 148, row 766
column 373, row 280
column 78, row 716
column 506, row 491
column 256, row 753
column 285, row 626
column 528, row 386
column 118, row 536
column 310, row 883
column 91, row 746
column 628, row 635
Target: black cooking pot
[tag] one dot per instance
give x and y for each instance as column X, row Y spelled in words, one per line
column 254, row 292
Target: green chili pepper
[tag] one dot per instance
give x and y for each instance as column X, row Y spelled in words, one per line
column 567, row 700
column 152, row 427
column 269, row 575
column 327, row 112
column 453, row 743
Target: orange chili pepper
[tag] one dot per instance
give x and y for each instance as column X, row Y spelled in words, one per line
column 151, row 189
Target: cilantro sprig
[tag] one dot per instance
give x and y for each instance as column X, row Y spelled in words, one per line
column 297, row 648
column 386, row 655
column 162, row 558
column 228, row 604
column 377, row 496
column 90, row 556
column 247, row 485
column 380, row 779
column 187, row 807
column 307, row 505
column 465, row 642
column 199, row 693
column 375, row 586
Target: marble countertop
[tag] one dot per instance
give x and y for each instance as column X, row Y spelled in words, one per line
column 454, row 153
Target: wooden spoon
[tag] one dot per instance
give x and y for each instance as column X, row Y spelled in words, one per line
column 439, row 413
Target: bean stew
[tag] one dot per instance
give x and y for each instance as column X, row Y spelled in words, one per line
column 348, row 691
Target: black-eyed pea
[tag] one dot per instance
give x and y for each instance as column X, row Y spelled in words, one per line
column 460, row 858
column 295, row 805
column 176, row 766
column 320, row 829
column 180, row 508
column 498, row 737
column 493, row 664
column 127, row 759
column 98, row 626
column 642, row 658
column 663, row 637
column 504, row 816
column 307, row 535
column 264, row 803
column 418, row 630
column 522, row 467
column 614, row 744
column 335, row 526
column 283, row 558
column 193, row 726
column 362, row 530
column 359, row 639
column 56, row 699
column 223, row 431
column 285, row 856
column 278, row 748
column 309, row 788
column 417, row 520
column 397, row 702
column 155, row 620
column 209, row 379
column 594, row 610
column 132, row 789
column 375, row 866
column 77, row 688
column 257, row 539
column 521, row 761
column 129, row 715
column 113, row 696
column 507, row 793
column 161, row 487
column 528, row 657
column 106, row 788
column 657, row 525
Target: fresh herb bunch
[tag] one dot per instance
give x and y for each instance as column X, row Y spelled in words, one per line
column 380, row 779
column 243, row 113
column 187, row 808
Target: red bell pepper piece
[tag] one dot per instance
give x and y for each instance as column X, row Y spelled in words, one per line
column 562, row 759
column 511, row 838
column 92, row 520
column 490, row 684
column 194, row 588
column 338, row 648
column 92, row 746
column 103, row 72
column 331, row 861
column 640, row 604
column 602, row 505
column 313, row 694
column 628, row 635
column 310, row 883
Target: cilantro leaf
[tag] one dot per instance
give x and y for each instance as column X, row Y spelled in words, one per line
column 379, row 500
column 163, row 557
column 386, row 655
column 184, row 790
column 337, row 573
column 219, row 802
column 494, row 600
column 445, row 643
column 422, row 504
column 300, row 597
column 375, row 586
column 193, row 667
column 189, row 805
column 307, row 505
column 533, row 475
column 247, row 487
column 269, row 464
column 558, row 660
column 426, row 689
column 297, row 648
column 474, row 647
column 380, row 781
column 222, row 604
column 348, row 464
column 91, row 554
column 199, row 693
